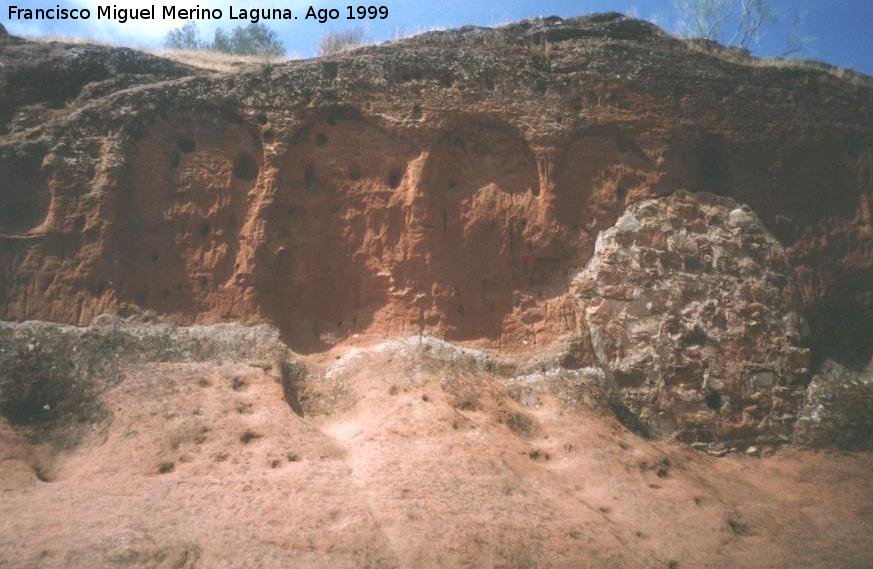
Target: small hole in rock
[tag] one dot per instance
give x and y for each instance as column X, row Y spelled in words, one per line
column 394, row 177
column 186, row 145
column 320, row 139
column 244, row 167
column 42, row 474
column 248, row 437
column 621, row 193
column 714, row 400
column 737, row 527
column 309, row 177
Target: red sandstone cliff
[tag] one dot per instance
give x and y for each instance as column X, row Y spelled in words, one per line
column 451, row 183
column 454, row 184
column 629, row 233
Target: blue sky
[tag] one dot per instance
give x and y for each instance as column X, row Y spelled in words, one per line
column 838, row 31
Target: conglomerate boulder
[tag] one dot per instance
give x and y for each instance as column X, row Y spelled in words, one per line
column 691, row 306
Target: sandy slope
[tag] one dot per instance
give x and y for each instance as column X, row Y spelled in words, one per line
column 404, row 458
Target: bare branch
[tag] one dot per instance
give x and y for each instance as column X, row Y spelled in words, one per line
column 737, row 23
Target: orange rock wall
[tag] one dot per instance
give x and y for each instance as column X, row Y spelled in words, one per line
column 451, row 184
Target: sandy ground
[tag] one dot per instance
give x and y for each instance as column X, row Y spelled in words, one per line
column 400, row 461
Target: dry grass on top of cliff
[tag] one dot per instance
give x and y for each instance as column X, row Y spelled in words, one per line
column 74, row 40
column 201, row 58
column 742, row 57
column 216, row 60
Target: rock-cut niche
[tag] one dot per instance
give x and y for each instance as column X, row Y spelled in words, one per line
column 333, row 227
column 181, row 206
column 471, row 224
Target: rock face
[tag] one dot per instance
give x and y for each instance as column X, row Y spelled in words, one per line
column 454, row 184
column 691, row 305
column 838, row 410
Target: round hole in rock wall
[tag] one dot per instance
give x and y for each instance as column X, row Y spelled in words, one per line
column 320, row 139
column 394, row 178
column 245, row 167
column 355, row 172
column 186, row 145
column 714, row 400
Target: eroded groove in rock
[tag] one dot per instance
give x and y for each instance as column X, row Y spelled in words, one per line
column 24, row 193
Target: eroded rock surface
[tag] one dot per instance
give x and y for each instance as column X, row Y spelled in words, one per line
column 415, row 220
column 691, row 305
column 447, row 184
